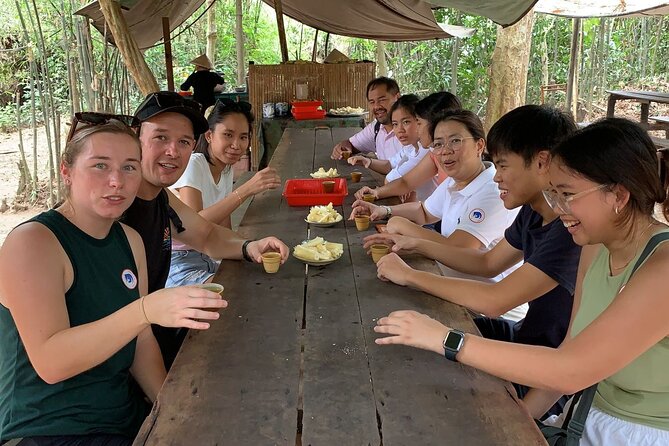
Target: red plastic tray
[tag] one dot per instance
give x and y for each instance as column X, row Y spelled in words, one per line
column 307, row 114
column 307, row 104
column 309, row 192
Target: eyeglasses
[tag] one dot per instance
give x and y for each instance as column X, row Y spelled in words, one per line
column 560, row 203
column 454, row 144
column 89, row 119
column 164, row 99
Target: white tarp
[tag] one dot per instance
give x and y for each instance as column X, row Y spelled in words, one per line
column 603, row 8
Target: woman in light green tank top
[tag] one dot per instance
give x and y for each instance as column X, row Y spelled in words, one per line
column 605, row 185
column 73, row 327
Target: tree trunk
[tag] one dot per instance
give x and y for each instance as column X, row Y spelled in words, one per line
column 658, row 38
column 455, row 55
column 211, row 30
column 381, row 65
column 508, row 70
column 239, row 42
column 128, row 48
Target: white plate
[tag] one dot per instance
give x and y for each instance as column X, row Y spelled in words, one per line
column 324, row 178
column 324, row 225
column 347, row 115
column 315, row 262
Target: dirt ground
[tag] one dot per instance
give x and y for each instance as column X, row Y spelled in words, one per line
column 9, row 176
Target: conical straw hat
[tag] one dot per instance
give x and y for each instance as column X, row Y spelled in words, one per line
column 202, row 61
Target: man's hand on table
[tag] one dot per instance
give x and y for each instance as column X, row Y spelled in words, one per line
column 392, row 268
column 257, row 247
column 413, row 329
column 344, row 146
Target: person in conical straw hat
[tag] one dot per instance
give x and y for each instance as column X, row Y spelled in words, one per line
column 204, row 82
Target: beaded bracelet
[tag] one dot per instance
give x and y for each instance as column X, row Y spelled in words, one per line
column 239, row 198
column 245, row 252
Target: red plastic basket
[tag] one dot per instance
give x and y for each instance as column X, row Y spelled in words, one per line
column 307, row 114
column 313, row 105
column 309, row 192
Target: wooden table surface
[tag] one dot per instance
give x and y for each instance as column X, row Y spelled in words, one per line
column 292, row 360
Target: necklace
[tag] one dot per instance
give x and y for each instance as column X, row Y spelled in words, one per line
column 636, row 247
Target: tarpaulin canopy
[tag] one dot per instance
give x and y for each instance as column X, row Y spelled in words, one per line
column 388, row 20
column 144, row 17
column 603, row 8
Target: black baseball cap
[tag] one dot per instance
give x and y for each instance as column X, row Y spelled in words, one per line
column 169, row 101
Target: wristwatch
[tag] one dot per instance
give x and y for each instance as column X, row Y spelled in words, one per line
column 389, row 211
column 453, row 343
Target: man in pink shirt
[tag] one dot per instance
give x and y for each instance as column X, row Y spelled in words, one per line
column 378, row 136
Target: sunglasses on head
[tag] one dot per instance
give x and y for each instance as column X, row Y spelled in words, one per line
column 166, row 99
column 234, row 105
column 87, row 119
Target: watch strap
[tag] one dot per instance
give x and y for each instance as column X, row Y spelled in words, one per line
column 451, row 352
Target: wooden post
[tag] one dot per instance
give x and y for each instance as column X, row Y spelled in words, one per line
column 239, row 42
column 168, row 54
column 327, row 44
column 282, row 31
column 572, row 91
column 315, row 48
column 127, row 46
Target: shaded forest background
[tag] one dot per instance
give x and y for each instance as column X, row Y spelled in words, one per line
column 615, row 53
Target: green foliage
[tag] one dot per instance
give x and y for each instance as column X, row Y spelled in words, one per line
column 627, row 50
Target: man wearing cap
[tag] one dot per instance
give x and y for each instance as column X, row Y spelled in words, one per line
column 204, row 82
column 169, row 126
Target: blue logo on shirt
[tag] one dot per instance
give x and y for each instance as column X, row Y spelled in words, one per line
column 129, row 279
column 477, row 215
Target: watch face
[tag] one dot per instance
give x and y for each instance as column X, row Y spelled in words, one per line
column 453, row 341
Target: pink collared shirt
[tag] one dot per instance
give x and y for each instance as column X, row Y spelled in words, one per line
column 386, row 144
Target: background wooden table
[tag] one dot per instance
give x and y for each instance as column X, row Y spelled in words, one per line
column 292, row 360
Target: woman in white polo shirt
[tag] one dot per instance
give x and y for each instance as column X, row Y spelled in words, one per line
column 467, row 203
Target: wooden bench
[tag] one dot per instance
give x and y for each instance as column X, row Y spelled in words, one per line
column 662, row 121
column 662, row 146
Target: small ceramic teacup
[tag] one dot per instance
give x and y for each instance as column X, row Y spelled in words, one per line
column 369, row 198
column 345, row 155
column 378, row 251
column 328, row 186
column 271, row 261
column 215, row 287
column 362, row 222
column 355, row 176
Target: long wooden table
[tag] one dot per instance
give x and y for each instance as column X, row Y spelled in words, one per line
column 292, row 360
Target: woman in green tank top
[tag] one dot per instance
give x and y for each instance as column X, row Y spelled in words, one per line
column 73, row 327
column 605, row 185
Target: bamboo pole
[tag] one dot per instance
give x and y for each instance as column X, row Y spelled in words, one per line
column 572, row 89
column 282, row 31
column 381, row 65
column 239, row 42
column 126, row 44
column 168, row 54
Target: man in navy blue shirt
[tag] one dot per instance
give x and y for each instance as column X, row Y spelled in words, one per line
column 519, row 144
